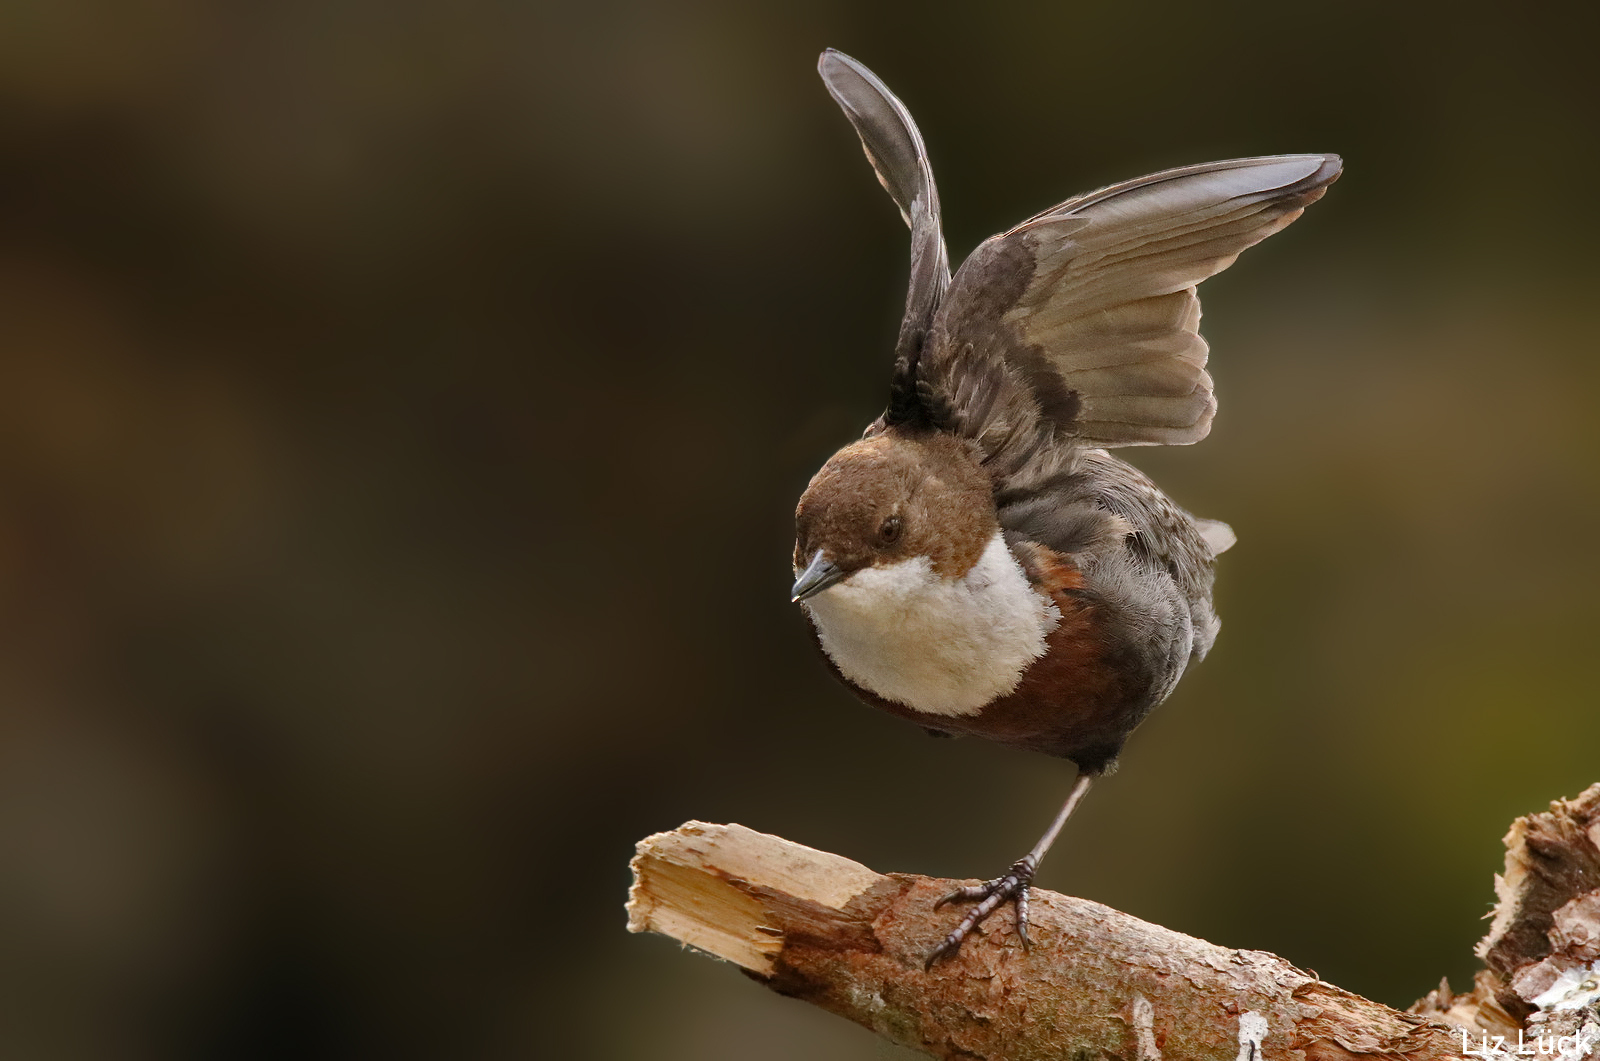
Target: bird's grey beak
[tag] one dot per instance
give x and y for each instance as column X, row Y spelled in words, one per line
column 818, row 576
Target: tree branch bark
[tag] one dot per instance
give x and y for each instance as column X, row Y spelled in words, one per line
column 1099, row 983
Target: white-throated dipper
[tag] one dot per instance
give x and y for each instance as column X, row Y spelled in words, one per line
column 977, row 562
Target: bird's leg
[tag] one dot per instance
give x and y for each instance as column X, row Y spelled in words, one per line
column 1013, row 885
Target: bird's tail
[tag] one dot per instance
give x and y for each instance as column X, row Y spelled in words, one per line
column 1217, row 534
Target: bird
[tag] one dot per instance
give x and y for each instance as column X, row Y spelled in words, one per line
column 978, row 562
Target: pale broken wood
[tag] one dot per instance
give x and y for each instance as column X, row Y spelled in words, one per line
column 1097, row 983
column 711, row 886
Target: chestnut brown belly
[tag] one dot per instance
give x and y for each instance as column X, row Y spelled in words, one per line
column 1069, row 704
column 1078, row 701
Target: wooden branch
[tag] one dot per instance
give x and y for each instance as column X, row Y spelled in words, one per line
column 1099, row 983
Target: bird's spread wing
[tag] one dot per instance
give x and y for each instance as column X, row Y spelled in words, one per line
column 894, row 147
column 1081, row 323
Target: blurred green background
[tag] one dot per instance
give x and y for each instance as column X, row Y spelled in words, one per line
column 401, row 413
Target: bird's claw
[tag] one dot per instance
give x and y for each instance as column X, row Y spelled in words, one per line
column 970, row 893
column 989, row 896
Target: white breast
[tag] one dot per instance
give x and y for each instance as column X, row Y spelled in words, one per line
column 939, row 645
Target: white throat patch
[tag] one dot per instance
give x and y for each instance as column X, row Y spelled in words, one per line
column 939, row 645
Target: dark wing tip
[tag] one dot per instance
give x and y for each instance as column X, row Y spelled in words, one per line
column 1317, row 170
column 1310, row 188
column 833, row 63
column 834, row 55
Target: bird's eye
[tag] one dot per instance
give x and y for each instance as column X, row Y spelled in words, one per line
column 889, row 532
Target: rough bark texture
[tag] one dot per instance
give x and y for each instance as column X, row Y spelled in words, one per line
column 1102, row 984
column 1097, row 983
column 1541, row 978
column 1551, row 859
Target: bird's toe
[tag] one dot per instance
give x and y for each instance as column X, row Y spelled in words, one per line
column 989, row 896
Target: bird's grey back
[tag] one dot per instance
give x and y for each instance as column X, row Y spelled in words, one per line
column 1146, row 559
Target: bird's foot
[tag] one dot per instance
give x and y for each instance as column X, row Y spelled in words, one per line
column 989, row 896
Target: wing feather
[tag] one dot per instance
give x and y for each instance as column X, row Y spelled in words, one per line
column 894, row 147
column 1084, row 319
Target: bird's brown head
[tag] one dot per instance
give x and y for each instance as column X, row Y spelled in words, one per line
column 889, row 498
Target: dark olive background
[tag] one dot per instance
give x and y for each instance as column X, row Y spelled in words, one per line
column 401, row 413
